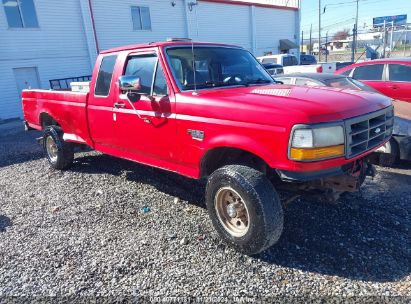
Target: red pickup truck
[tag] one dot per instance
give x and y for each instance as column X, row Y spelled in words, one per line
column 211, row 110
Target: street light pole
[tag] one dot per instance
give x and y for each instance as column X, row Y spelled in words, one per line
column 319, row 30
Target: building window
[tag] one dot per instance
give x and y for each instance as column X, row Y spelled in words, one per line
column 20, row 13
column 141, row 18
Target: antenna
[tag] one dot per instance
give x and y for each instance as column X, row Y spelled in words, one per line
column 194, row 66
column 190, row 7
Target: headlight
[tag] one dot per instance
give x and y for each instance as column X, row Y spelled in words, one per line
column 316, row 143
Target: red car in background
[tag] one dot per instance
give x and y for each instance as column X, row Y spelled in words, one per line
column 390, row 76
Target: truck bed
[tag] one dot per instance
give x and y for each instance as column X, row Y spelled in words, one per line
column 67, row 108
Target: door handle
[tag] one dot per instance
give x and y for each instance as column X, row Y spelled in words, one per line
column 118, row 105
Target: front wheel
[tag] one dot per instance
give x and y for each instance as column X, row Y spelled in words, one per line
column 59, row 153
column 245, row 208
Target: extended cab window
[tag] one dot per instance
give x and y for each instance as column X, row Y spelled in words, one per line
column 144, row 67
column 399, row 72
column 104, row 75
column 369, row 72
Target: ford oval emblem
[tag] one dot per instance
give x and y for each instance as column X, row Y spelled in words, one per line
column 378, row 130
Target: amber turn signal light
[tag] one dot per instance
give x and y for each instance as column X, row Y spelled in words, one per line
column 310, row 154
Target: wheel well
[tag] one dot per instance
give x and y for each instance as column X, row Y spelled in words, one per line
column 46, row 120
column 219, row 157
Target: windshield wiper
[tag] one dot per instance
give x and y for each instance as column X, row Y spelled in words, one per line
column 258, row 81
column 210, row 84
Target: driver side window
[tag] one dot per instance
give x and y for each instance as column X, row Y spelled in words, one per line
column 152, row 80
column 160, row 87
column 142, row 66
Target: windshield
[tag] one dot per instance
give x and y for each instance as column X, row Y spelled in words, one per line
column 215, row 67
column 348, row 83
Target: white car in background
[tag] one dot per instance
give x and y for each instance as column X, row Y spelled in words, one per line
column 291, row 65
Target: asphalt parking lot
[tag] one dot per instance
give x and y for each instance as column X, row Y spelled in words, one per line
column 109, row 227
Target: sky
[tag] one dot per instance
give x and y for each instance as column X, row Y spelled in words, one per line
column 340, row 14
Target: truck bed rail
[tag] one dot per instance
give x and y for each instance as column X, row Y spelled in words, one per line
column 64, row 83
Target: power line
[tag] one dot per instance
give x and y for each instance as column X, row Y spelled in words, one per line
column 345, row 4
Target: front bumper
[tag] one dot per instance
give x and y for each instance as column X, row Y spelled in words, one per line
column 297, row 176
column 348, row 177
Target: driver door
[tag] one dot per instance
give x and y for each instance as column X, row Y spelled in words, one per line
column 146, row 128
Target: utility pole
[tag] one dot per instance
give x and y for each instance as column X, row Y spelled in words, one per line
column 326, row 48
column 384, row 40
column 311, row 45
column 355, row 38
column 405, row 41
column 319, row 30
column 302, row 41
column 391, row 40
column 353, row 45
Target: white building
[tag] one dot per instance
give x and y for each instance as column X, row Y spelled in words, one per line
column 42, row 40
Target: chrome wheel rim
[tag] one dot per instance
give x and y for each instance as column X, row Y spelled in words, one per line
column 52, row 150
column 232, row 212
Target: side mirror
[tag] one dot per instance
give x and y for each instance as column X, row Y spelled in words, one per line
column 130, row 83
column 132, row 86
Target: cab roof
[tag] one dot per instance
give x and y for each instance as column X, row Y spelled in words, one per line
column 163, row 44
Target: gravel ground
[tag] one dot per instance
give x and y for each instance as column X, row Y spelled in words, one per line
column 109, row 227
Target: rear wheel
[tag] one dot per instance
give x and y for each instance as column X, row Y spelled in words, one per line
column 59, row 153
column 245, row 208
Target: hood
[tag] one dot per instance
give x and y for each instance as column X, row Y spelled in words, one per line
column 300, row 103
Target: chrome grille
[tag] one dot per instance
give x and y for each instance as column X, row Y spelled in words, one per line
column 368, row 131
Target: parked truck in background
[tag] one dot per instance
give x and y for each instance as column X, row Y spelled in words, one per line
column 212, row 111
column 291, row 64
